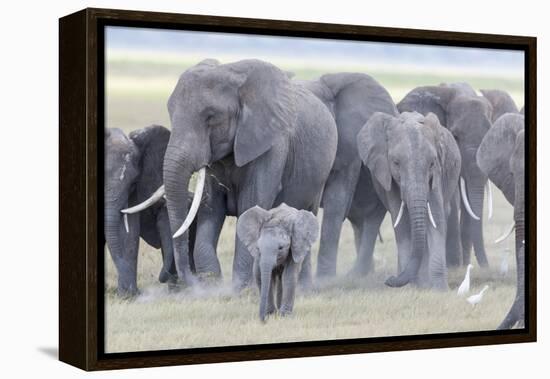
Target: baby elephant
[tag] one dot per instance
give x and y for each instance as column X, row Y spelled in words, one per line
column 279, row 240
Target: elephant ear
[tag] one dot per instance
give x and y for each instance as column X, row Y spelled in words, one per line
column 305, row 231
column 267, row 108
column 249, row 225
column 372, row 144
column 434, row 99
column 151, row 143
column 449, row 160
column 501, row 102
column 495, row 150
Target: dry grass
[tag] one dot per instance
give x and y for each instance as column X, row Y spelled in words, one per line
column 344, row 308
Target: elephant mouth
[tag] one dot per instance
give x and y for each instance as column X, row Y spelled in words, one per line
column 161, row 192
column 400, row 215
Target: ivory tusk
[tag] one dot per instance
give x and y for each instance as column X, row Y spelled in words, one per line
column 489, row 200
column 399, row 214
column 506, row 233
column 431, row 217
column 156, row 196
column 465, row 199
column 197, row 196
column 126, row 223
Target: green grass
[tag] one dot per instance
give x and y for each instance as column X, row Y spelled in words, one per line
column 345, row 308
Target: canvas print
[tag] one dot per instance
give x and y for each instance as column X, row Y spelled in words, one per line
column 265, row 189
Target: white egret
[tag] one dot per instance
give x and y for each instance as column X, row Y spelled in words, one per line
column 465, row 285
column 476, row 299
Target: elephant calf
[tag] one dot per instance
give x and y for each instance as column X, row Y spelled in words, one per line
column 279, row 240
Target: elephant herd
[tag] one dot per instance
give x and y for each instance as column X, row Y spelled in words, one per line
column 272, row 150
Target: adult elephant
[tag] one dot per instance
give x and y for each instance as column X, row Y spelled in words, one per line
column 352, row 98
column 264, row 139
column 133, row 171
column 415, row 164
column 468, row 117
column 501, row 101
column 501, row 156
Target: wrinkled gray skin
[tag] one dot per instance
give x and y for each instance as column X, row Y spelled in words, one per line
column 501, row 102
column 133, row 171
column 279, row 240
column 468, row 117
column 501, row 156
column 264, row 140
column 352, row 98
column 414, row 159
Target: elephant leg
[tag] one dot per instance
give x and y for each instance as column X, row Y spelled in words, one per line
column 305, row 278
column 453, row 243
column 289, row 279
column 210, row 221
column 279, row 298
column 369, row 233
column 337, row 197
column 257, row 275
column 357, row 231
column 168, row 273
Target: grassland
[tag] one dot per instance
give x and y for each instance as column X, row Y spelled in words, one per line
column 137, row 88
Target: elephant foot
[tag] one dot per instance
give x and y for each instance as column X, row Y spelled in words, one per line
column 209, row 279
column 240, row 285
column 128, row 294
column 285, row 312
column 396, row 282
column 165, row 276
column 440, row 286
column 173, row 287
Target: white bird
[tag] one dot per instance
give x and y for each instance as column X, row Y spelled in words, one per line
column 465, row 285
column 504, row 264
column 476, row 299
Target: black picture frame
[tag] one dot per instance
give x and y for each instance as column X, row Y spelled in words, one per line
column 81, row 109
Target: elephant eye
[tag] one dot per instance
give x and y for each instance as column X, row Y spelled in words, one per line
column 396, row 163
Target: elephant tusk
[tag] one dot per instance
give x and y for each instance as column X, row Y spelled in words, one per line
column 506, row 233
column 126, row 223
column 489, row 200
column 465, row 199
column 197, row 196
column 431, row 217
column 380, row 237
column 156, row 196
column 399, row 214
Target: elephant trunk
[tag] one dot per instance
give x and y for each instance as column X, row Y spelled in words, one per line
column 178, row 169
column 417, row 209
column 118, row 242
column 516, row 314
column 266, row 270
column 476, row 193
